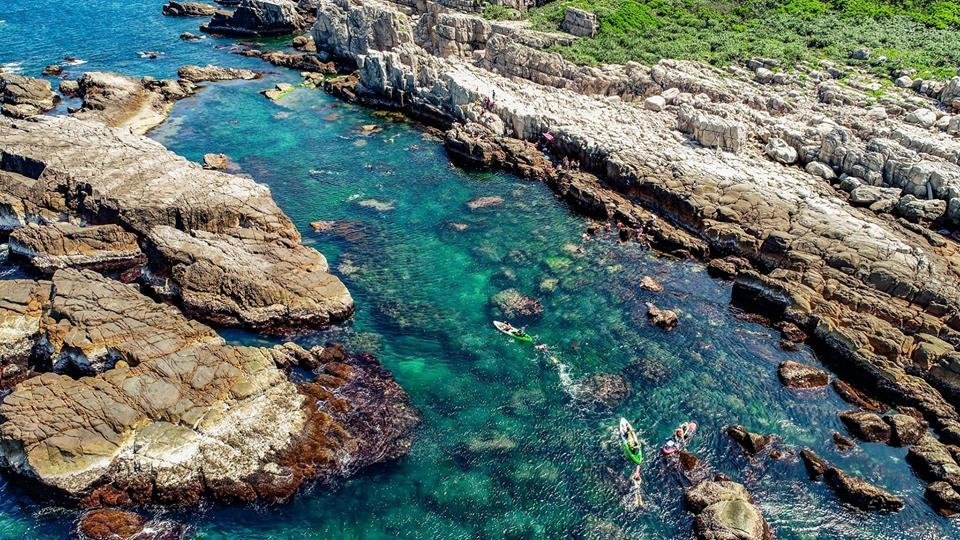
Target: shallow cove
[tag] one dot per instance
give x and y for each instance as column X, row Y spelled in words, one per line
column 504, row 450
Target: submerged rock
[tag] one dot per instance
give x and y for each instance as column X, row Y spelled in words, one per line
column 512, row 304
column 171, row 412
column 25, row 96
column 797, row 375
column 603, row 390
column 484, row 202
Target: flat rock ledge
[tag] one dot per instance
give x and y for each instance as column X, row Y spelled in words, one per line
column 214, row 243
column 159, row 409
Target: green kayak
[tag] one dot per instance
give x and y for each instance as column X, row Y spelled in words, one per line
column 636, row 457
column 515, row 333
column 628, row 435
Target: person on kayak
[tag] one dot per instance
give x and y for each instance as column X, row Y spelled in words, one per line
column 632, row 441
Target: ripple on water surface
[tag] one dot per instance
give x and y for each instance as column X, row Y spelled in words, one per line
column 504, row 450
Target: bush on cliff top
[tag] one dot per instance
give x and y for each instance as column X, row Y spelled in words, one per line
column 918, row 34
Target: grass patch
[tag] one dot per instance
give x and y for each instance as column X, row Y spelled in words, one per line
column 919, row 34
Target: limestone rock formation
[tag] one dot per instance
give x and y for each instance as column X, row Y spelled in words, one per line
column 197, row 74
column 188, row 9
column 25, row 96
column 258, row 18
column 579, row 22
column 171, row 413
column 64, row 245
column 122, row 101
column 724, row 509
column 219, row 244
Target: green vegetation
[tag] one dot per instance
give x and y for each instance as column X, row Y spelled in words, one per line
column 919, row 34
column 496, row 12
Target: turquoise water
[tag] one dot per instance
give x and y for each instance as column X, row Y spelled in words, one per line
column 504, row 450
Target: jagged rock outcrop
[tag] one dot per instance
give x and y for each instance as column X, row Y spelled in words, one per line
column 121, row 101
column 724, row 509
column 866, row 426
column 171, row 413
column 114, row 524
column 64, row 245
column 219, row 245
column 752, row 443
column 188, row 9
column 579, row 22
column 852, row 489
column 197, row 74
column 257, row 18
column 23, row 97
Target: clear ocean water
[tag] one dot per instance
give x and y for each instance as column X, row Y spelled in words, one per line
column 504, row 450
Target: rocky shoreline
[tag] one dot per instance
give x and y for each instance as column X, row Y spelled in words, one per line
column 114, row 399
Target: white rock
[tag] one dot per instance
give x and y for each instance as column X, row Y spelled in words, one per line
column 903, row 82
column 655, row 103
column 820, row 169
column 922, row 117
column 779, row 150
column 877, row 113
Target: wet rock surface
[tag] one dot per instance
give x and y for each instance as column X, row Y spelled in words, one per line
column 797, row 375
column 866, row 426
column 849, row 488
column 216, row 243
column 724, row 509
column 752, row 443
column 663, row 318
column 171, row 413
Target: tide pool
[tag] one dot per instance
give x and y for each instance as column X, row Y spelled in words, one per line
column 504, row 450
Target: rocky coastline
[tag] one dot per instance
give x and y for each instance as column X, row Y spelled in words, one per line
column 116, row 396
column 832, row 210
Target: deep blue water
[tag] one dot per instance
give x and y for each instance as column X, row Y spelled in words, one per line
column 422, row 269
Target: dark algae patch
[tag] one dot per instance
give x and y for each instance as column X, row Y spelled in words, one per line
column 900, row 35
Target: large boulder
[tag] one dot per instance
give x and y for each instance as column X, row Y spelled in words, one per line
column 861, row 493
column 579, row 22
column 258, row 18
column 25, row 96
column 217, row 243
column 905, row 429
column 933, row 461
column 752, row 443
column 209, row 72
column 170, row 412
column 866, row 426
column 250, row 278
column 724, row 510
column 797, row 375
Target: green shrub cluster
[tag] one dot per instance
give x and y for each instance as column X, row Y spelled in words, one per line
column 919, row 34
